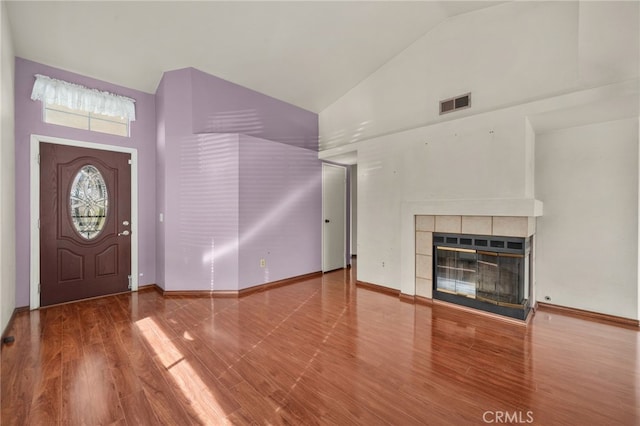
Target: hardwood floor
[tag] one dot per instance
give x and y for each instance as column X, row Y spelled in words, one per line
column 317, row 352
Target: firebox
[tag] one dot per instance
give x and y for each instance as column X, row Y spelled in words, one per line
column 490, row 273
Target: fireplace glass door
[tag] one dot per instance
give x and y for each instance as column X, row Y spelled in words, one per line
column 511, row 279
column 500, row 277
column 487, row 275
column 456, row 271
column 490, row 273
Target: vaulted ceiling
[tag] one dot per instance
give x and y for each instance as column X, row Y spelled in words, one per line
column 306, row 53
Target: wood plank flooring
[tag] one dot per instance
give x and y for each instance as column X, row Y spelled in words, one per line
column 316, row 352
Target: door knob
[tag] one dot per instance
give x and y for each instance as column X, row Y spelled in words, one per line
column 125, row 233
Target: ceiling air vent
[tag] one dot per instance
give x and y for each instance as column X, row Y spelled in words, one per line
column 454, row 104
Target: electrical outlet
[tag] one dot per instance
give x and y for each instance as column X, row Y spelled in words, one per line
column 263, row 263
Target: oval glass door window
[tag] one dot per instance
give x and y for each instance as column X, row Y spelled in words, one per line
column 89, row 202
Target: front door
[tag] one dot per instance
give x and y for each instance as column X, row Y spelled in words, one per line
column 85, row 215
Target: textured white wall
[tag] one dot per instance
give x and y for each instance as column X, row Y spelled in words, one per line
column 477, row 158
column 508, row 54
column 529, row 66
column 354, row 210
column 503, row 54
column 587, row 247
column 7, row 172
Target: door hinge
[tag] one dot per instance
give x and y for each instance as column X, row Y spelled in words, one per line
column 38, row 223
column 130, row 162
column 38, row 158
column 38, row 288
column 130, row 279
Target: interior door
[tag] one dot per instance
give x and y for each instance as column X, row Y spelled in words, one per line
column 85, row 215
column 334, row 198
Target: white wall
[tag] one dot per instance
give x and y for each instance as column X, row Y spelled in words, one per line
column 504, row 55
column 609, row 43
column 587, row 178
column 481, row 157
column 528, row 65
column 587, row 248
column 7, row 161
column 354, row 210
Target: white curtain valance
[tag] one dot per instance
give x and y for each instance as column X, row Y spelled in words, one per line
column 58, row 92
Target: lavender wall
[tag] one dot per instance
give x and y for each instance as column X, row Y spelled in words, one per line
column 203, row 255
column 208, row 182
column 160, row 181
column 280, row 211
column 194, row 178
column 220, row 106
column 28, row 121
column 197, row 194
column 173, row 118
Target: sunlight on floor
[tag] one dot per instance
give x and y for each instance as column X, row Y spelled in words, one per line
column 200, row 399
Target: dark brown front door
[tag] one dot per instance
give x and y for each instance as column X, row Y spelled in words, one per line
column 85, row 216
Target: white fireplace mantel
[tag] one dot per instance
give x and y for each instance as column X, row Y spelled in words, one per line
column 527, row 207
column 519, row 207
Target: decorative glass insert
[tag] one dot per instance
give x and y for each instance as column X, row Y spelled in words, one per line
column 89, row 202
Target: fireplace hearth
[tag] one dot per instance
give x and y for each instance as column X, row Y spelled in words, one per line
column 484, row 272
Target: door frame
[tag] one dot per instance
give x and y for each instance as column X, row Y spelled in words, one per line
column 344, row 213
column 34, row 195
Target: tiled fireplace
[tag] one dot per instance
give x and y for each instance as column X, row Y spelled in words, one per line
column 481, row 262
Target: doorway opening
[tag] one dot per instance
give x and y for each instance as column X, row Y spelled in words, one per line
column 334, row 215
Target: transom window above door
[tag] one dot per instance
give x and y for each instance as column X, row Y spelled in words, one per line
column 72, row 105
column 63, row 116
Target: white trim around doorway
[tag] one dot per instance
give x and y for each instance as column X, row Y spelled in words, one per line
column 34, row 194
